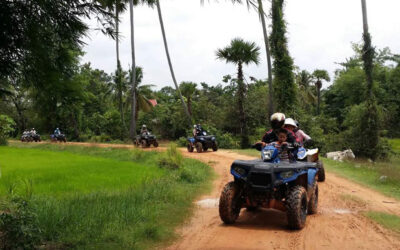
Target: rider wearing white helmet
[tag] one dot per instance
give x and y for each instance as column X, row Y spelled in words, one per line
column 277, row 121
column 292, row 125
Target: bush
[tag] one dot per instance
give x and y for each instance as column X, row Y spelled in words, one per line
column 6, row 127
column 172, row 158
column 182, row 142
column 19, row 225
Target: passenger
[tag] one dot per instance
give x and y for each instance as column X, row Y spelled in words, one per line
column 57, row 132
column 293, row 126
column 281, row 145
column 277, row 121
column 198, row 130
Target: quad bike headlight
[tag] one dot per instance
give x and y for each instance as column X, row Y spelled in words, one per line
column 287, row 174
column 240, row 171
column 267, row 155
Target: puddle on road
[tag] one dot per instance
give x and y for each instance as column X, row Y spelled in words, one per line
column 342, row 211
column 208, row 203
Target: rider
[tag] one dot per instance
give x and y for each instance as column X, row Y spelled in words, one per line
column 197, row 130
column 293, row 126
column 144, row 130
column 33, row 131
column 57, row 132
column 277, row 121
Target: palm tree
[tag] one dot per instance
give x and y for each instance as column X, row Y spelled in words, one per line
column 259, row 7
column 240, row 52
column 188, row 89
column 143, row 93
column 320, row 75
column 170, row 63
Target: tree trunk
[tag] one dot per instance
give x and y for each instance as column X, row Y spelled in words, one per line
column 319, row 86
column 268, row 54
column 242, row 116
column 132, row 130
column 170, row 64
column 118, row 75
column 189, row 104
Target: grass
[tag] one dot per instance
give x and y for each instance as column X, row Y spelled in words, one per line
column 249, row 152
column 388, row 221
column 369, row 174
column 395, row 143
column 102, row 198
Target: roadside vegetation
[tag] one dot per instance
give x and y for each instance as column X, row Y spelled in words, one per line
column 97, row 197
column 389, row 221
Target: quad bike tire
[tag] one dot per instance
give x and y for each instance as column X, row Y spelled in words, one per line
column 321, row 171
column 205, row 149
column 155, row 144
column 199, row 147
column 296, row 204
column 251, row 208
column 313, row 202
column 143, row 143
column 229, row 207
column 64, row 140
column 215, row 147
column 190, row 147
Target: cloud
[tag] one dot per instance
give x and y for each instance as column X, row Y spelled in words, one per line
column 320, row 33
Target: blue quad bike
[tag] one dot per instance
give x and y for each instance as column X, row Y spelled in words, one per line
column 202, row 143
column 268, row 182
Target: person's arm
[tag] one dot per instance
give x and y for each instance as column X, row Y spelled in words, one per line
column 304, row 135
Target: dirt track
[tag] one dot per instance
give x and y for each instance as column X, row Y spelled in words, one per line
column 338, row 224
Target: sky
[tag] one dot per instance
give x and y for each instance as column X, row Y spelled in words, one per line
column 320, row 33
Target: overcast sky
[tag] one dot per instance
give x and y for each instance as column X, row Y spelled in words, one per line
column 320, row 33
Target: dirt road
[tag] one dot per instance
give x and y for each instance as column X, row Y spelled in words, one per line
column 338, row 224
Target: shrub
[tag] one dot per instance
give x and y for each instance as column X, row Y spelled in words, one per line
column 172, row 158
column 6, row 127
column 182, row 142
column 19, row 225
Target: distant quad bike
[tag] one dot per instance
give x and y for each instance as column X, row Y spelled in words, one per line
column 290, row 187
column 36, row 138
column 58, row 138
column 26, row 138
column 146, row 140
column 202, row 143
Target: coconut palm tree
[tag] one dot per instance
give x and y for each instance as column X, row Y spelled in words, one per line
column 170, row 63
column 320, row 75
column 240, row 53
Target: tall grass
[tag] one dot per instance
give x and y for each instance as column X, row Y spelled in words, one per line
column 103, row 198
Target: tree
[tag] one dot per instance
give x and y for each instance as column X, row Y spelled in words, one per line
column 320, row 75
column 188, row 89
column 185, row 108
column 240, row 53
column 370, row 119
column 284, row 88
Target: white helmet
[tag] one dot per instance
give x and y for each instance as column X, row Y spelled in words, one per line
column 291, row 122
column 277, row 120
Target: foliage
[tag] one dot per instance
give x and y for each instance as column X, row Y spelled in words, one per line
column 19, row 225
column 389, row 221
column 284, row 87
column 87, row 197
column 6, row 127
column 171, row 158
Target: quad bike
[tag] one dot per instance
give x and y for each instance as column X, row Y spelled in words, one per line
column 312, row 155
column 146, row 139
column 58, row 138
column 290, row 187
column 26, row 138
column 202, row 143
column 36, row 138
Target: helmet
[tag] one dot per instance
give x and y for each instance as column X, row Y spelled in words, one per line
column 290, row 122
column 297, row 123
column 57, row 128
column 195, row 126
column 144, row 126
column 277, row 120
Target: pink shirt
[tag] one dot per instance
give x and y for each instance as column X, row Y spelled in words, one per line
column 301, row 136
